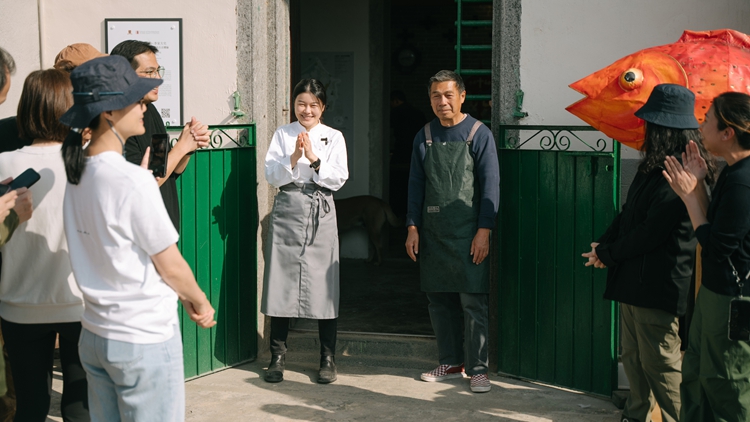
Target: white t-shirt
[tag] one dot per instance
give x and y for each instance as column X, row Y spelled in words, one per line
column 37, row 284
column 328, row 145
column 115, row 221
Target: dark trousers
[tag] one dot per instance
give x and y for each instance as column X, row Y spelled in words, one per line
column 460, row 322
column 715, row 371
column 326, row 331
column 31, row 350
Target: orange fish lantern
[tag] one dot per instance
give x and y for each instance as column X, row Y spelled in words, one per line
column 707, row 62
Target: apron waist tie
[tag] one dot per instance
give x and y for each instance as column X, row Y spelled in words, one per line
column 319, row 203
column 319, row 207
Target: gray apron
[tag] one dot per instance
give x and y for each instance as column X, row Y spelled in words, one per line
column 301, row 277
column 450, row 219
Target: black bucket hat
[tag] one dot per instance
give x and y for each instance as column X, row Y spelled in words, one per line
column 104, row 84
column 670, row 105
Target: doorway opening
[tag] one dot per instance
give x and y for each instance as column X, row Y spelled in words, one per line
column 378, row 56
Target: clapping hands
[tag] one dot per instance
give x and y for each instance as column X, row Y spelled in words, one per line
column 683, row 178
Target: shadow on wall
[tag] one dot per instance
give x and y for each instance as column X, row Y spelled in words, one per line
column 229, row 274
column 263, row 333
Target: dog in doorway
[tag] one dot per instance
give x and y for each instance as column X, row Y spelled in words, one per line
column 369, row 211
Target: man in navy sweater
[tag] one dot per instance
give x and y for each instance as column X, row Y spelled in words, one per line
column 454, row 193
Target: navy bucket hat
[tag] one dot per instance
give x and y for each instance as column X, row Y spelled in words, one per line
column 104, row 84
column 670, row 105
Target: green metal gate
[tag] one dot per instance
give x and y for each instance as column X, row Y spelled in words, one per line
column 218, row 205
column 554, row 324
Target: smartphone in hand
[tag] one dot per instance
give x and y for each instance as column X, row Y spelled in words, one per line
column 24, row 180
column 157, row 161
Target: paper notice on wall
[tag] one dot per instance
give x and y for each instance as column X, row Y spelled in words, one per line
column 165, row 35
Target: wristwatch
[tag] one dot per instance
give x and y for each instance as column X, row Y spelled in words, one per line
column 315, row 164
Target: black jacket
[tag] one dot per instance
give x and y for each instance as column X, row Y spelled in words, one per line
column 727, row 233
column 9, row 139
column 135, row 148
column 649, row 248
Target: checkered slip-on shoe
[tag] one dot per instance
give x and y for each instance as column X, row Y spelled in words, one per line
column 444, row 372
column 480, row 383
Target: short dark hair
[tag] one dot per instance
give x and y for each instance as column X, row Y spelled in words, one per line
column 7, row 66
column 445, row 76
column 131, row 48
column 732, row 109
column 46, row 96
column 314, row 87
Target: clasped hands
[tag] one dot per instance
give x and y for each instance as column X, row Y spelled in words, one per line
column 593, row 257
column 193, row 136
column 303, row 146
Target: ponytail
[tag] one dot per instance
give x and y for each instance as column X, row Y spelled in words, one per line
column 73, row 156
column 72, row 152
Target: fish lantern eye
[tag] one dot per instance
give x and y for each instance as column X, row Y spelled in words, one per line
column 631, row 79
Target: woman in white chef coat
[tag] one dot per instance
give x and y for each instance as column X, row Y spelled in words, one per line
column 306, row 161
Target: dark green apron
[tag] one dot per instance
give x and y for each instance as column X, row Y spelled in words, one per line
column 449, row 219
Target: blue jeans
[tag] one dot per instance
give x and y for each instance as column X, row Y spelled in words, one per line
column 133, row 382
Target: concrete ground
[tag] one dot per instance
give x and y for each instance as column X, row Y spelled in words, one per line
column 366, row 393
column 378, row 374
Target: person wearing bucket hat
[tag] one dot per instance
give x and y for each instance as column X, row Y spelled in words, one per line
column 124, row 254
column 716, row 366
column 649, row 250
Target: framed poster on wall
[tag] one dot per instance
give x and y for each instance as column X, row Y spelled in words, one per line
column 166, row 36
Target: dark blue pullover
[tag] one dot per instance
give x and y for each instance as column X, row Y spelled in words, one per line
column 486, row 167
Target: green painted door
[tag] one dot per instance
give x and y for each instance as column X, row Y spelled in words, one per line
column 219, row 221
column 554, row 324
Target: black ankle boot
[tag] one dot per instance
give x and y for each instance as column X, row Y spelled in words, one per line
column 275, row 371
column 327, row 373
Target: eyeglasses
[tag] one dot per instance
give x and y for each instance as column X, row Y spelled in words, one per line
column 153, row 73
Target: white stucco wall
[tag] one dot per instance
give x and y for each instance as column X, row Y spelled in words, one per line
column 563, row 42
column 342, row 26
column 19, row 35
column 208, row 43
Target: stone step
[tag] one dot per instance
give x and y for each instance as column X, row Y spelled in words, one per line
column 367, row 349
